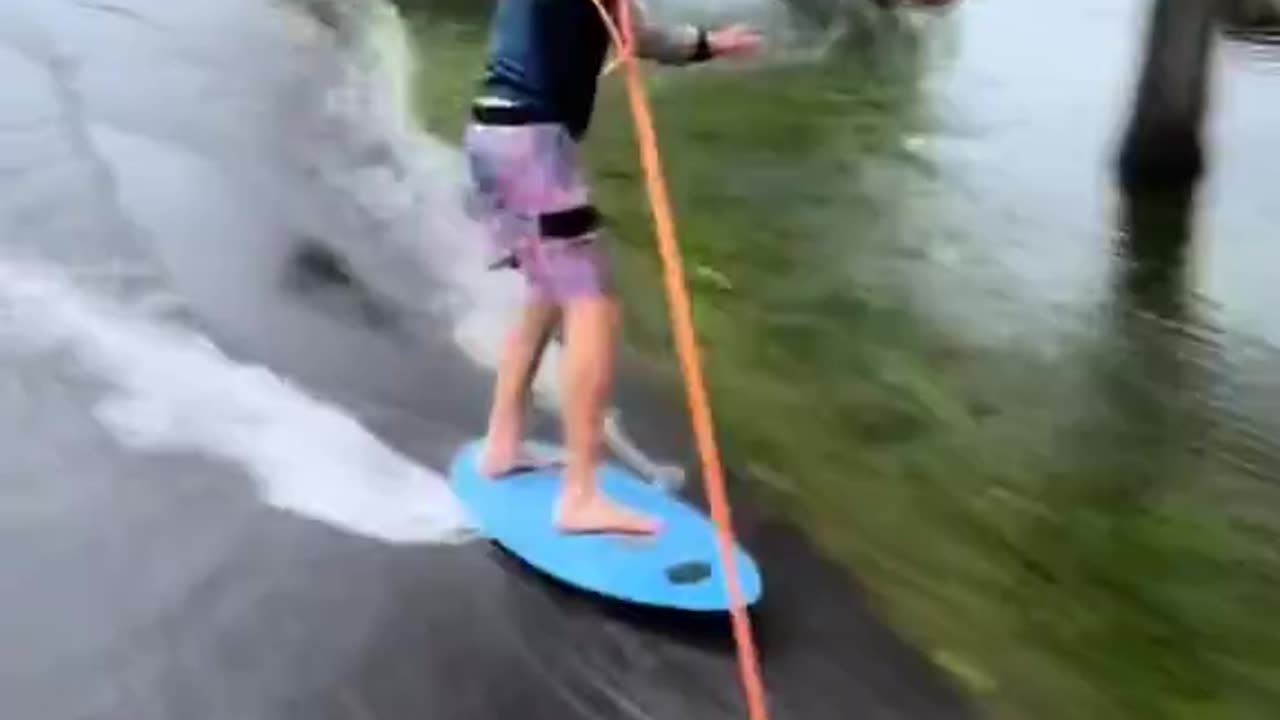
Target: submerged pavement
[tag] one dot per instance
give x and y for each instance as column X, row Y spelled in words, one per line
column 242, row 330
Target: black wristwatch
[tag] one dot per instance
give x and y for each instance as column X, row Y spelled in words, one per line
column 702, row 51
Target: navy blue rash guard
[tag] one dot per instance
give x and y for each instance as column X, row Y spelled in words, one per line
column 546, row 55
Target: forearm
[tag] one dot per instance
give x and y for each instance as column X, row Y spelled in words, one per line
column 668, row 44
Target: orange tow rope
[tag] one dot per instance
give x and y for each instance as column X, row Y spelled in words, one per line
column 687, row 350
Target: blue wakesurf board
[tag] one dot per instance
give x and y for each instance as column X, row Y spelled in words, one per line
column 678, row 567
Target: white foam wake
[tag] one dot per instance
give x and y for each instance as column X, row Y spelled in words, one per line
column 174, row 390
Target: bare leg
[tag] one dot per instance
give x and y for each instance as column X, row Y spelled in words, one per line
column 522, row 352
column 590, row 325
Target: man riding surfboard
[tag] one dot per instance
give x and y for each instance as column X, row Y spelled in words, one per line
column 534, row 106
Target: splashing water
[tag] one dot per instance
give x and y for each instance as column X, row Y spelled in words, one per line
column 174, row 390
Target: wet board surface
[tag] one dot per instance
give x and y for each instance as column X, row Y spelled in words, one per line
column 679, row 567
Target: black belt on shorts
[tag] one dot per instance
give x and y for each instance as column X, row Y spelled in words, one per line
column 509, row 115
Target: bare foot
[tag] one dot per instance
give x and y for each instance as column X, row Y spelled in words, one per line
column 495, row 464
column 596, row 513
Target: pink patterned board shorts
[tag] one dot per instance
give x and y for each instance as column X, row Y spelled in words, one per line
column 529, row 191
